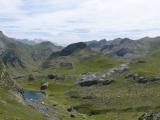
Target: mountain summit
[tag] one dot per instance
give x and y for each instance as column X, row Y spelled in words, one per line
column 71, row 48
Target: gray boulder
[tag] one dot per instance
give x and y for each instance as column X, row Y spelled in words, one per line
column 44, row 86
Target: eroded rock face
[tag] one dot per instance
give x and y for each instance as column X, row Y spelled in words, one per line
column 150, row 116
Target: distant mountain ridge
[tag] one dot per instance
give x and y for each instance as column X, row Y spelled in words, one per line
column 125, row 47
column 29, row 55
column 15, row 53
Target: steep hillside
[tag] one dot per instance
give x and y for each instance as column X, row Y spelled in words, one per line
column 10, row 108
column 20, row 57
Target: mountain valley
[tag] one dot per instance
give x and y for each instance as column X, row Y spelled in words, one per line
column 95, row 80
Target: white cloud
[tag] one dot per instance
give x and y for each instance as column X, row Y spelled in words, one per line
column 66, row 21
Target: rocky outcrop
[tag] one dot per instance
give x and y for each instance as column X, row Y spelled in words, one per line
column 89, row 79
column 150, row 116
column 142, row 79
column 71, row 48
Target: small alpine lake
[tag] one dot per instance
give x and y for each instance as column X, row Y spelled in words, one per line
column 33, row 95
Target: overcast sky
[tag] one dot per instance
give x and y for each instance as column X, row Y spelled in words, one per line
column 67, row 21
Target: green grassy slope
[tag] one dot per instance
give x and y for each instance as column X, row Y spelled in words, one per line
column 22, row 58
column 10, row 108
column 150, row 65
column 81, row 61
column 123, row 100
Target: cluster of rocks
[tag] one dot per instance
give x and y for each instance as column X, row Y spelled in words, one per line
column 94, row 82
column 142, row 79
column 150, row 116
column 118, row 70
column 89, row 79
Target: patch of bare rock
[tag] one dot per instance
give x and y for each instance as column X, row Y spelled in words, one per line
column 103, row 78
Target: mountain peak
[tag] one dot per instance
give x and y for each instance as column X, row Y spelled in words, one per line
column 71, row 48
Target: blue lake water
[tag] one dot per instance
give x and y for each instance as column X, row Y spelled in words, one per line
column 33, row 95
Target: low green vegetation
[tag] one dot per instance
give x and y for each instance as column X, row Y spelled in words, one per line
column 148, row 65
column 10, row 108
column 124, row 99
column 81, row 61
column 121, row 100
